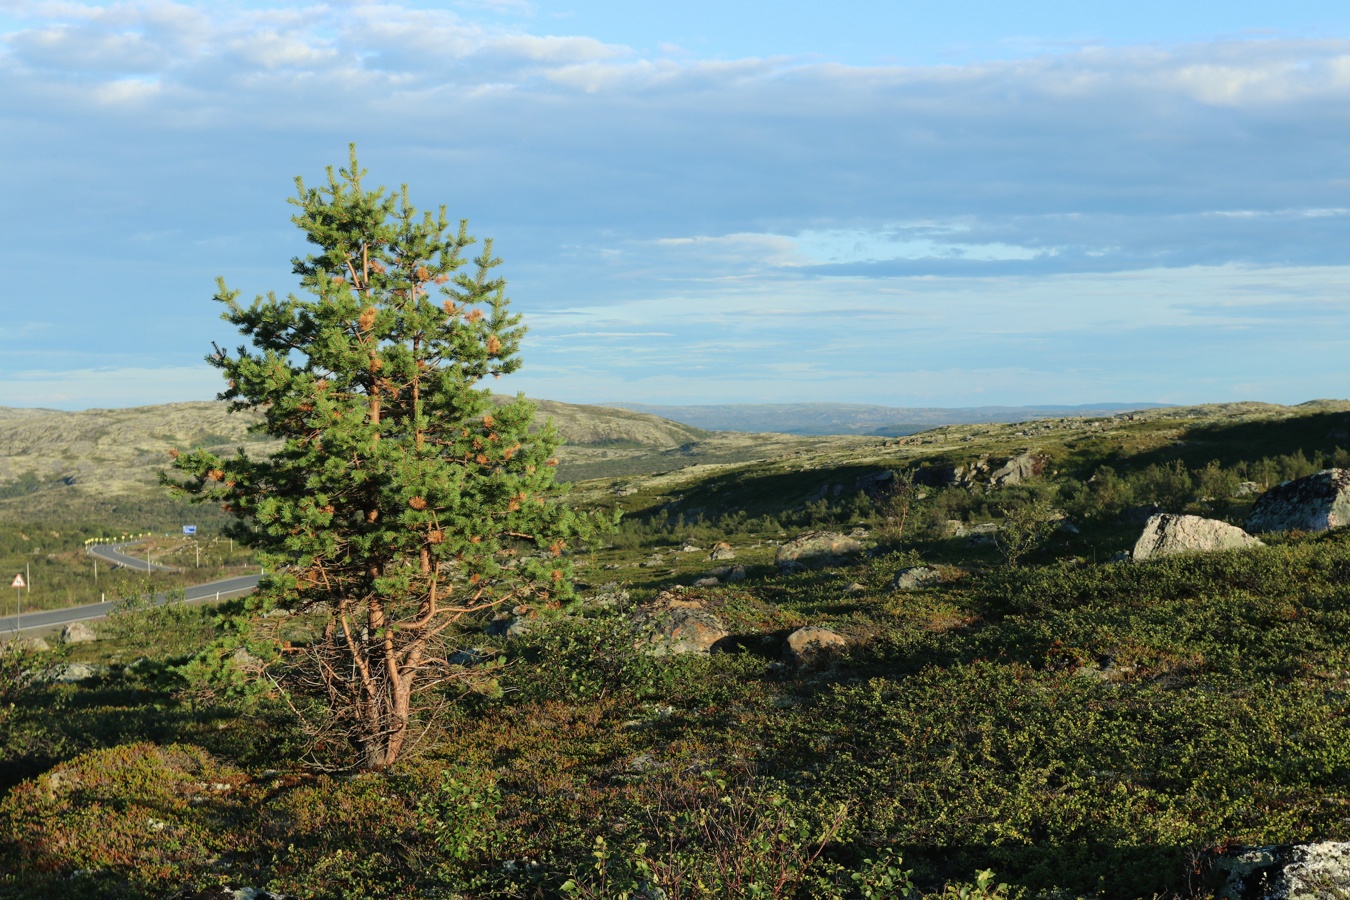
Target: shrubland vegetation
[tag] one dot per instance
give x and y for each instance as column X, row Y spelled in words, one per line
column 1077, row 728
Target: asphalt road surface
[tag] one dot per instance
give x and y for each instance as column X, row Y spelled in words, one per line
column 112, row 553
column 56, row 618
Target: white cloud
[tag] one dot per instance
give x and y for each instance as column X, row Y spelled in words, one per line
column 737, row 219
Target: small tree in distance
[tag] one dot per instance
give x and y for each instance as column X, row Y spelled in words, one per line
column 402, row 500
column 1025, row 528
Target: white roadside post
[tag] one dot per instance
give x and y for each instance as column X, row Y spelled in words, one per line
column 18, row 585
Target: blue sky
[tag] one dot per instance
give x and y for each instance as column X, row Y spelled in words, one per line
column 911, row 203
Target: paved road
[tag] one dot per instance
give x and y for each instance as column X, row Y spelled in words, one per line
column 56, row 618
column 112, row 553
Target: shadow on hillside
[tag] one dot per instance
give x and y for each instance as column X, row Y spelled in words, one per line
column 1230, row 444
column 50, row 724
column 1105, row 868
column 774, row 493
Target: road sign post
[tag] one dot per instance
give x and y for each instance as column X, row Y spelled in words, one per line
column 18, row 585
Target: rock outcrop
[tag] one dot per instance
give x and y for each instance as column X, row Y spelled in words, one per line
column 1018, row 469
column 72, row 673
column 811, row 644
column 78, row 633
column 720, row 575
column 675, row 623
column 916, row 578
column 815, row 548
column 511, row 624
column 1168, row 534
column 1316, row 502
column 1014, row 470
column 1316, row 871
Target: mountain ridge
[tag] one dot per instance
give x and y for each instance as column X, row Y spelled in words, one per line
column 825, row 418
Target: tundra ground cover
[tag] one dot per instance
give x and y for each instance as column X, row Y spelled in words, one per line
column 1080, row 728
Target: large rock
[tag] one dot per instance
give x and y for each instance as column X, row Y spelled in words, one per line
column 675, row 623
column 1167, row 534
column 916, row 578
column 815, row 547
column 1291, row 872
column 1317, row 502
column 982, row 471
column 1018, row 469
column 511, row 624
column 810, row 644
column 72, row 673
column 20, row 645
column 225, row 893
column 722, row 550
column 78, row 633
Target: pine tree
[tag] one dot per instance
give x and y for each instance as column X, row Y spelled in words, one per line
column 403, row 502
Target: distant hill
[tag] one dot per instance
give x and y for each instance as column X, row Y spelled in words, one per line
column 105, row 461
column 860, row 418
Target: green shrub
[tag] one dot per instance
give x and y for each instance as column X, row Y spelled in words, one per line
column 161, row 627
column 581, row 659
column 146, row 815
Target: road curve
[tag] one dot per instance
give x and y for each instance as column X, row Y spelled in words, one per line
column 112, row 553
column 55, row 618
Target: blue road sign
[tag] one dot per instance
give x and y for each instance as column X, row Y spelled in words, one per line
column 189, row 529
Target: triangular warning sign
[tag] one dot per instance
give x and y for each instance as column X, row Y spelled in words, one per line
column 17, row 582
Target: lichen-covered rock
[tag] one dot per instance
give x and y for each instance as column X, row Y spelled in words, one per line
column 815, row 547
column 1168, row 534
column 608, row 595
column 226, row 893
column 916, row 578
column 811, row 643
column 78, row 633
column 511, row 624
column 1018, row 469
column 21, row 645
column 1317, row 502
column 724, row 574
column 675, row 623
column 72, row 673
column 1316, row 871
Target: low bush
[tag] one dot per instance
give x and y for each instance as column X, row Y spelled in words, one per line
column 140, row 817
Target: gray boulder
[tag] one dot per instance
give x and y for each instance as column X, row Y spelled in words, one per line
column 473, row 656
column 674, row 623
column 246, row 662
column 815, row 547
column 1316, row 502
column 78, row 633
column 72, row 673
column 19, row 645
column 724, row 574
column 510, row 625
column 1315, row 871
column 722, row 550
column 225, row 893
column 810, row 644
column 916, row 578
column 1167, row 534
column 610, row 594
column 1018, row 469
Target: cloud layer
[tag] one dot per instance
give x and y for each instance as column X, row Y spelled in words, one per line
column 738, row 229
